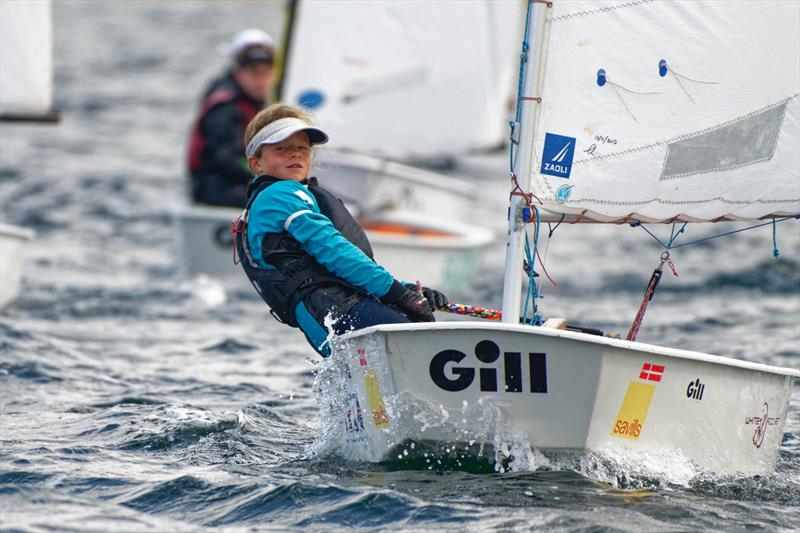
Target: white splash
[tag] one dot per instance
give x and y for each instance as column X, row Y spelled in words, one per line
column 210, row 292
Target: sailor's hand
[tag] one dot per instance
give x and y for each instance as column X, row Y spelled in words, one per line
column 415, row 307
column 436, row 299
column 410, row 301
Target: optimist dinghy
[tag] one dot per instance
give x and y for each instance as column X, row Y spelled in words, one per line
column 395, row 203
column 619, row 120
column 13, row 240
column 399, row 62
column 26, row 95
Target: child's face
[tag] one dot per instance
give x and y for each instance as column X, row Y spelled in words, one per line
column 286, row 160
column 255, row 79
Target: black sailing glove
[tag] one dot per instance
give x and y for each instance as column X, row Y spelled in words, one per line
column 414, row 306
column 436, row 299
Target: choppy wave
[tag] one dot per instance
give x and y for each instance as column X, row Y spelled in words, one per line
column 136, row 398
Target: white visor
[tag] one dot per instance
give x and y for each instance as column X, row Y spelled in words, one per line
column 282, row 129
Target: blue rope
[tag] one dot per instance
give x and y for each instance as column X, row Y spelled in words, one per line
column 522, row 60
column 639, row 224
column 775, row 252
column 532, row 294
column 671, row 246
column 674, row 236
column 528, row 293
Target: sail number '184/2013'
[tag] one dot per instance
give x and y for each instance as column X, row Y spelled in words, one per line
column 458, row 378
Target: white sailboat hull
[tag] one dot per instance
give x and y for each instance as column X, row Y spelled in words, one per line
column 207, row 242
column 371, row 185
column 439, row 260
column 561, row 391
column 443, row 253
column 13, row 240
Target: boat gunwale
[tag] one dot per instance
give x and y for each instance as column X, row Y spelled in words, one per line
column 577, row 336
column 17, row 232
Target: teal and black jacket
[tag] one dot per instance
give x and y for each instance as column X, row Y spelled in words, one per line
column 307, row 256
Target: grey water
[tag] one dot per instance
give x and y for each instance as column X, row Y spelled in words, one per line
column 135, row 398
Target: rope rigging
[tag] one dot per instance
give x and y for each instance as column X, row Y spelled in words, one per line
column 670, row 245
column 649, row 293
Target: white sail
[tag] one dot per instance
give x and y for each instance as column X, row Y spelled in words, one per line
column 406, row 79
column 660, row 110
column 26, row 59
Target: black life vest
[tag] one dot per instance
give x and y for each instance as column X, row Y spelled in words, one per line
column 296, row 273
column 222, row 92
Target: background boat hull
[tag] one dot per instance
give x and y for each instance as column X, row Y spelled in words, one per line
column 13, row 241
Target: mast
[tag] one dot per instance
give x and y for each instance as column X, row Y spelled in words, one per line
column 529, row 74
column 288, row 32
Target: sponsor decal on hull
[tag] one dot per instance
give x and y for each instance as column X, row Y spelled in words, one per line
column 380, row 418
column 353, row 418
column 455, row 378
column 651, row 372
column 636, row 403
column 762, row 423
column 695, row 390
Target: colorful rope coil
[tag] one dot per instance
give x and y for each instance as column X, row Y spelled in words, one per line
column 473, row 310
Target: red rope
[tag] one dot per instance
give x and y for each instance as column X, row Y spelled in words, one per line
column 541, row 263
column 528, row 197
column 236, row 227
column 626, row 89
column 648, row 295
column 690, row 79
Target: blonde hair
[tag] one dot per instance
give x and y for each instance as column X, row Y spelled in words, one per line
column 270, row 114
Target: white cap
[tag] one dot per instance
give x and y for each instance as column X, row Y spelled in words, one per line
column 247, row 38
column 282, row 129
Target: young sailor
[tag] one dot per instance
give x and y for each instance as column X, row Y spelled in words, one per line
column 304, row 253
column 218, row 169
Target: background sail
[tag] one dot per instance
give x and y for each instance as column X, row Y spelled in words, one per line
column 26, row 60
column 406, row 79
column 655, row 110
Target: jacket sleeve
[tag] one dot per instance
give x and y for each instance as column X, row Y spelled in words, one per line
column 224, row 134
column 295, row 209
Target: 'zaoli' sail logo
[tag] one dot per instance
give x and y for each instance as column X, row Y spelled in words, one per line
column 633, row 411
column 557, row 155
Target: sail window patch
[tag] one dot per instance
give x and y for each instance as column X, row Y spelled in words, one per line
column 745, row 141
column 557, row 155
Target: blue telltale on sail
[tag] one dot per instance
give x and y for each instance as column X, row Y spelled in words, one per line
column 311, row 99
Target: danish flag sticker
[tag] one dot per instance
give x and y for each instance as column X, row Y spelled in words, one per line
column 651, row 372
